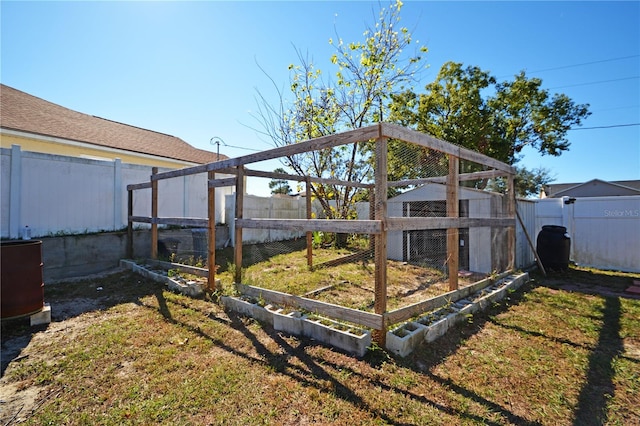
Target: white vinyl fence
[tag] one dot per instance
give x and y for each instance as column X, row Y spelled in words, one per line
column 55, row 194
column 604, row 231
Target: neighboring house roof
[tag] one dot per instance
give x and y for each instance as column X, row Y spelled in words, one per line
column 592, row 188
column 26, row 113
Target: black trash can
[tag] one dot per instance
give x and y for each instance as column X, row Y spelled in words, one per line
column 554, row 246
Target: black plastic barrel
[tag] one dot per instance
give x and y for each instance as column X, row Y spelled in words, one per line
column 21, row 285
column 554, row 246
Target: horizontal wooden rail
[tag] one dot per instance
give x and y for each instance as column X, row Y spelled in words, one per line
column 220, row 183
column 323, row 142
column 324, row 225
column 487, row 174
column 365, row 319
column 411, row 311
column 417, row 223
column 396, row 131
column 175, row 221
column 134, row 186
column 194, row 270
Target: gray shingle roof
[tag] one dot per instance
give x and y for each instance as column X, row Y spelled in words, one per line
column 23, row 112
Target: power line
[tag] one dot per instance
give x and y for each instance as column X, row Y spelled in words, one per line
column 595, row 82
column 607, row 127
column 586, row 63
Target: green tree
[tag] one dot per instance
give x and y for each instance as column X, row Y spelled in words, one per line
column 467, row 106
column 280, row 186
column 358, row 94
column 528, row 183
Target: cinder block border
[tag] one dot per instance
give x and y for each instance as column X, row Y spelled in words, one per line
column 189, row 288
column 403, row 339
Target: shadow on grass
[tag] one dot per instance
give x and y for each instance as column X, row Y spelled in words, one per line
column 296, row 362
column 592, row 402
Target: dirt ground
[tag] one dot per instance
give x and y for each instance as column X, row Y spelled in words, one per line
column 77, row 304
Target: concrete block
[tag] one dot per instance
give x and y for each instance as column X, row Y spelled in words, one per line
column 42, row 317
column 290, row 323
column 437, row 329
column 349, row 339
column 247, row 308
column 404, row 339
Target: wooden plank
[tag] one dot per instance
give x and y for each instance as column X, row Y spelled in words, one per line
column 345, row 226
column 380, row 250
column 221, row 183
column 286, row 176
column 487, row 174
column 511, row 230
column 323, row 142
column 365, row 319
column 129, row 224
column 396, row 131
column 309, row 216
column 174, row 221
column 134, row 186
column 237, row 253
column 211, row 228
column 434, row 303
column 418, row 223
column 154, row 214
column 453, row 235
column 194, row 270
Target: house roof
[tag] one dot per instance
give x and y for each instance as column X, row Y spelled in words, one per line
column 561, row 189
column 23, row 112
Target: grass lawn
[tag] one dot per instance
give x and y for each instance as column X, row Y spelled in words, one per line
column 123, row 350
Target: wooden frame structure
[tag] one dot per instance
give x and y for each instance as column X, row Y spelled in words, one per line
column 378, row 225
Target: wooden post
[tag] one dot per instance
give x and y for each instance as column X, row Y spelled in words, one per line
column 309, row 216
column 372, row 216
column 211, row 250
column 511, row 230
column 238, row 230
column 380, row 302
column 129, row 224
column 453, row 236
column 154, row 214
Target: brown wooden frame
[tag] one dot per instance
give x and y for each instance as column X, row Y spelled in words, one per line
column 377, row 225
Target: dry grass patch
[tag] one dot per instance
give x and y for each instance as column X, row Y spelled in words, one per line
column 142, row 355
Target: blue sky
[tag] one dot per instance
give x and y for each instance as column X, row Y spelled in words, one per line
column 190, row 69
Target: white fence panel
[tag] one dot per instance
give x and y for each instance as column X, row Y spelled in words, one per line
column 606, row 232
column 55, row 194
column 525, row 256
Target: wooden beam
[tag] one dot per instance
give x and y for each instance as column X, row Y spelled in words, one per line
column 309, row 216
column 324, row 181
column 221, row 183
column 344, row 226
column 487, row 174
column 211, row 228
column 323, row 142
column 154, row 214
column 380, row 251
column 134, row 186
column 174, row 221
column 420, row 223
column 511, row 231
column 238, row 224
column 434, row 303
column 396, row 131
column 366, row 319
column 129, row 224
column 453, row 235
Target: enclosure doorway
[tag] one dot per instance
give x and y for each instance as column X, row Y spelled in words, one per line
column 429, row 247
